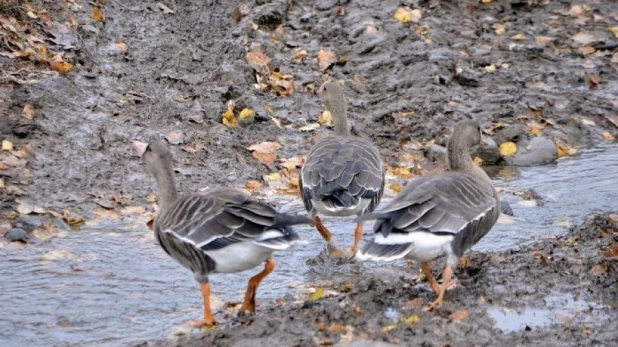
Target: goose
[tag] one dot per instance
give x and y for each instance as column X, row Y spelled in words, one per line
column 342, row 174
column 222, row 230
column 438, row 215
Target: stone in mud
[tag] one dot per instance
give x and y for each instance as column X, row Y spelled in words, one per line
column 16, row 234
column 538, row 151
column 509, row 133
column 29, row 222
column 269, row 16
column 505, row 208
column 490, row 153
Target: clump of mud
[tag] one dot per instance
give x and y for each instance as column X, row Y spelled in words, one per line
column 581, row 266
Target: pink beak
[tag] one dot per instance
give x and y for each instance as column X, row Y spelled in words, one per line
column 140, row 147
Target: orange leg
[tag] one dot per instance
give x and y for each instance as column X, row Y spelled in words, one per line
column 446, row 277
column 426, row 267
column 249, row 301
column 358, row 232
column 209, row 319
column 326, row 234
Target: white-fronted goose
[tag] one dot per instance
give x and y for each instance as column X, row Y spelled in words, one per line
column 436, row 215
column 343, row 174
column 219, row 231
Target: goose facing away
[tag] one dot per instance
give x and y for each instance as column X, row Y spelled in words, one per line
column 436, row 215
column 219, row 231
column 343, row 174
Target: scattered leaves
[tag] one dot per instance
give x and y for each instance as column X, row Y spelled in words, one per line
column 97, row 14
column 326, row 58
column 228, row 118
column 246, row 113
column 406, row 15
column 265, row 152
column 508, row 148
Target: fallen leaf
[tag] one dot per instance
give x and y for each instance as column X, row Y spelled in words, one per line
column 72, row 219
column 175, row 138
column 228, row 118
column 543, row 40
column 325, row 118
column 326, row 58
column 412, row 319
column 97, row 14
column 317, row 295
column 499, row 29
column 587, row 50
column 508, row 148
column 292, row 163
column 397, row 187
column 192, row 148
column 164, row 8
column 460, row 315
column 597, row 270
column 613, row 30
column 576, row 10
column 253, row 185
column 7, row 145
column 309, row 127
column 28, row 112
column 612, row 252
column 299, row 54
column 265, row 152
column 406, row 15
column 388, row 328
column 275, row 176
column 246, row 113
column 607, row 136
column 257, row 59
column 121, row 47
column 584, row 38
column 61, row 67
column 490, row 68
column 563, row 149
column 46, row 232
column 151, row 198
column 338, row 327
column 2, row 185
column 519, row 37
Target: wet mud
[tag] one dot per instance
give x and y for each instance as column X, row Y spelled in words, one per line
column 554, row 292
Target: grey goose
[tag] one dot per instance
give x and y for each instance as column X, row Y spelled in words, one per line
column 342, row 174
column 222, row 230
column 437, row 215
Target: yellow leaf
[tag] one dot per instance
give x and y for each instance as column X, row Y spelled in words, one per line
column 397, row 187
column 412, row 319
column 325, row 118
column 478, row 161
column 389, row 328
column 326, row 58
column 97, row 14
column 613, row 30
column 317, row 295
column 563, row 149
column 406, row 15
column 7, row 145
column 253, row 185
column 228, row 118
column 608, row 136
column 265, row 152
column 508, row 149
column 499, row 29
column 490, row 68
column 61, row 67
column 246, row 113
column 536, row 131
column 519, row 37
column 275, row 176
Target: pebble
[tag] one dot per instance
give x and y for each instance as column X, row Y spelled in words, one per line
column 16, row 234
column 505, row 208
column 29, row 222
column 539, row 150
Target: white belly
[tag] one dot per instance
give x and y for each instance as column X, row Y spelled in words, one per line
column 425, row 246
column 341, row 211
column 239, row 257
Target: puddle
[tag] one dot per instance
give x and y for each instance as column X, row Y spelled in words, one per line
column 118, row 287
column 556, row 309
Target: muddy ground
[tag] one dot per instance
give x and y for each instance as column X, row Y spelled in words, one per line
column 524, row 69
column 387, row 306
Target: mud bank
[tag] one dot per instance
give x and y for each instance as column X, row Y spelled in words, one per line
column 556, row 291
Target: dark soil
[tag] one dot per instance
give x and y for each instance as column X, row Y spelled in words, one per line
column 582, row 263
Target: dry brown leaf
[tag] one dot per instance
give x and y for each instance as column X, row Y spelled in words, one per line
column 46, row 232
column 584, row 38
column 72, row 219
column 499, row 29
column 299, row 54
column 597, row 270
column 265, row 152
column 175, row 138
column 397, row 187
column 28, row 112
column 253, row 185
column 257, row 59
column 151, row 198
column 121, row 47
column 326, row 58
column 339, row 327
column 292, row 163
column 607, row 136
column 97, row 14
column 192, row 148
column 587, row 50
column 544, row 40
column 61, row 66
column 460, row 315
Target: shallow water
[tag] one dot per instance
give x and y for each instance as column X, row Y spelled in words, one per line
column 110, row 286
